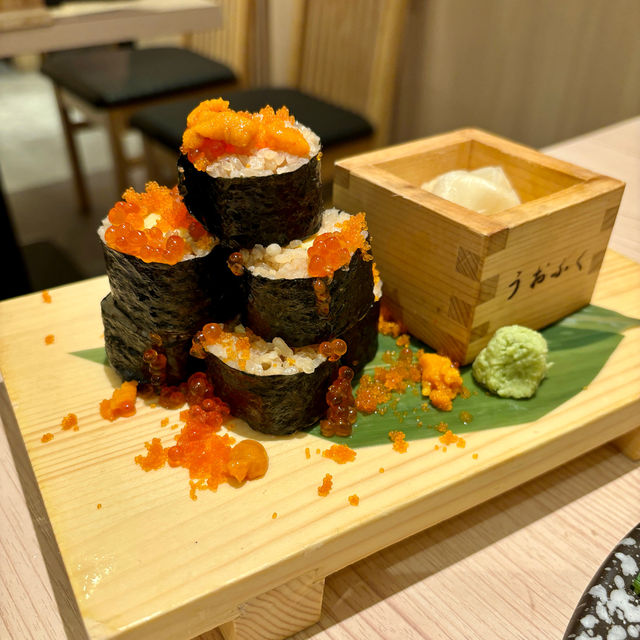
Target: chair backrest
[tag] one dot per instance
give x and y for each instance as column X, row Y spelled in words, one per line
column 241, row 43
column 347, row 52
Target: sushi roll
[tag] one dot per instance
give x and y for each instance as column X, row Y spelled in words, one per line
column 250, row 178
column 167, row 276
column 310, row 290
column 274, row 388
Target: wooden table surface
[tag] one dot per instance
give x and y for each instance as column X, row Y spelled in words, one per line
column 83, row 24
column 513, row 567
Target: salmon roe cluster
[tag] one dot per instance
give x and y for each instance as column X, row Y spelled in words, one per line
column 342, row 412
column 333, row 250
column 340, row 453
column 155, row 226
column 396, row 377
column 326, row 486
column 210, row 458
column 441, row 380
column 332, row 350
column 122, row 403
column 214, row 130
column 237, row 345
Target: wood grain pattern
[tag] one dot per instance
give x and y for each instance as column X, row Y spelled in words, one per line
column 558, row 235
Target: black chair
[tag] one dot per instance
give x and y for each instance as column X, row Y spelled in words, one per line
column 340, row 88
column 107, row 84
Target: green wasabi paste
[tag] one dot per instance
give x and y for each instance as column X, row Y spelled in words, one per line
column 514, row 362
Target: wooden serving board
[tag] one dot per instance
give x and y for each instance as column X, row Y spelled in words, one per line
column 152, row 563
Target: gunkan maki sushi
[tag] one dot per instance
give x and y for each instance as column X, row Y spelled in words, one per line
column 167, row 276
column 250, row 178
column 275, row 388
column 310, row 290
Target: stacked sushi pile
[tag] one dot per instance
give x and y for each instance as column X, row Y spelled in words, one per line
column 286, row 294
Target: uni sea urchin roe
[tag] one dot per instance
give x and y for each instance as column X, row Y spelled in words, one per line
column 155, row 226
column 213, row 130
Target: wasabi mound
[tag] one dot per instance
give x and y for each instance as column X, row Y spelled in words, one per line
column 514, row 362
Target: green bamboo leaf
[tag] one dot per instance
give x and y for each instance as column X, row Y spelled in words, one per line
column 96, row 355
column 579, row 346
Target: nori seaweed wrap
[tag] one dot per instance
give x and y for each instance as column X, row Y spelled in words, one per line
column 362, row 340
column 277, row 404
column 126, row 342
column 245, row 211
column 289, row 309
column 179, row 297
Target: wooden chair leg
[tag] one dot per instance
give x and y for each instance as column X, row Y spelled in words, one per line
column 279, row 613
column 629, row 444
column 74, row 158
column 116, row 128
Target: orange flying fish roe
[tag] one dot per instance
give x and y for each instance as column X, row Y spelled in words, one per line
column 46, row 296
column 155, row 226
column 340, row 453
column 326, row 486
column 451, row 438
column 474, row 456
column 49, row 339
column 307, row 453
column 399, row 443
column 333, row 250
column 122, row 403
column 354, row 500
column 237, row 345
column 387, row 325
column 214, row 130
column 69, row 421
column 46, row 437
column 164, row 422
column 274, row 515
column 441, row 380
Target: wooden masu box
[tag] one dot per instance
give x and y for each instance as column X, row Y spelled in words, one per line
column 454, row 276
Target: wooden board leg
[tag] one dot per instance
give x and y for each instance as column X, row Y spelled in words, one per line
column 629, row 444
column 279, row 613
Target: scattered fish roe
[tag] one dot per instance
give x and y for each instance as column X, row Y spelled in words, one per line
column 323, row 296
column 381, row 470
column 70, row 421
column 340, row 453
column 465, row 417
column 155, row 226
column 235, row 262
column 441, row 380
column 214, row 130
column 49, row 339
column 210, row 458
column 441, row 427
column 326, row 486
column 396, row 377
column 164, row 422
column 332, row 350
column 475, row 456
column 387, row 325
column 122, row 403
column 99, row 505
column 46, row 296
column 354, row 500
column 342, row 413
column 46, row 437
column 404, row 340
column 331, row 251
column 451, row 438
column 399, row 443
column 307, row 453
column 274, row 515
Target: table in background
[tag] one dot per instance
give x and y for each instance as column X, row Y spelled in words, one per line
column 514, row 567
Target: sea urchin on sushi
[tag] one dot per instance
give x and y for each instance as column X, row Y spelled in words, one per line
column 250, row 177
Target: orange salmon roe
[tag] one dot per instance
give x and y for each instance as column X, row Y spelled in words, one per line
column 396, row 377
column 354, row 500
column 441, row 380
column 333, row 250
column 155, row 226
column 332, row 350
column 340, row 453
column 122, row 403
column 69, row 421
column 49, row 339
column 342, row 412
column 46, row 437
column 237, row 345
column 399, row 443
column 326, row 486
column 214, row 130
column 46, row 296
